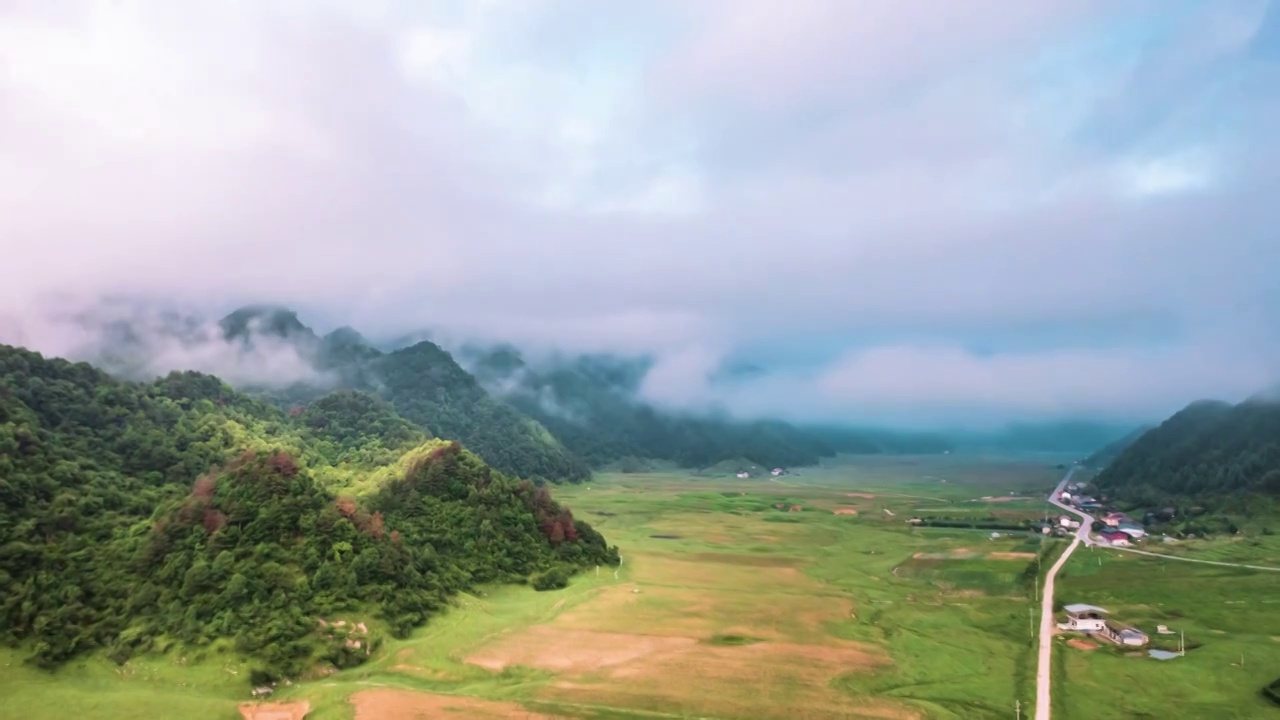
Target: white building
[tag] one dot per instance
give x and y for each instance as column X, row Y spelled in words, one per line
column 1085, row 618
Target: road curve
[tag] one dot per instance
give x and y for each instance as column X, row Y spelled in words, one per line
column 1044, row 706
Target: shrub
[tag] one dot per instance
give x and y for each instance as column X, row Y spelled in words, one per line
column 553, row 579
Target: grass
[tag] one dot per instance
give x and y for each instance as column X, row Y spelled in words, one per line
column 1228, row 615
column 755, row 599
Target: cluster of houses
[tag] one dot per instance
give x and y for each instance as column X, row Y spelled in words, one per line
column 1093, row 621
column 1118, row 529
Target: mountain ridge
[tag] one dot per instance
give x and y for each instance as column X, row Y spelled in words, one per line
column 1209, row 449
column 139, row 516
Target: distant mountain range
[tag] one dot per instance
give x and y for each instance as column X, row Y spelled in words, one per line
column 554, row 419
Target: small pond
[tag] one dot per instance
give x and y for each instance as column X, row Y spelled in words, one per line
column 1162, row 654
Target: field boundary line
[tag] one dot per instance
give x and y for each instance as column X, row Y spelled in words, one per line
column 1163, row 556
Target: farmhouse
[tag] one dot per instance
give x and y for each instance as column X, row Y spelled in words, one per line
column 1084, row 618
column 1132, row 529
column 1092, row 620
column 1115, row 537
column 1116, row 519
column 1121, row 634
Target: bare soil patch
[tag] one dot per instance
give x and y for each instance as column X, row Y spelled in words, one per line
column 386, row 704
column 845, row 511
column 1012, row 556
column 1082, row 644
column 577, row 651
column 757, row 680
column 865, row 496
column 274, row 711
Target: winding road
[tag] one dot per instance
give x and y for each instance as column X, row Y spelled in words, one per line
column 1043, row 675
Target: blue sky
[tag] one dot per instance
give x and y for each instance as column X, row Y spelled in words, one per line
column 902, row 209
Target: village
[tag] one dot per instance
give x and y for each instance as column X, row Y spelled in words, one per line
column 1115, row 529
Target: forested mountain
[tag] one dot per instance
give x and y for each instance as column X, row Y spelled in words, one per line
column 592, row 404
column 549, row 424
column 425, row 385
column 1207, row 449
column 134, row 517
column 421, row 382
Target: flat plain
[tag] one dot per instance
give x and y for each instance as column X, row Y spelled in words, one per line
column 808, row 595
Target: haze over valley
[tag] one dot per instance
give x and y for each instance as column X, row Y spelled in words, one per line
column 731, row 360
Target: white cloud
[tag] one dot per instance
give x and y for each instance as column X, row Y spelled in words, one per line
column 668, row 178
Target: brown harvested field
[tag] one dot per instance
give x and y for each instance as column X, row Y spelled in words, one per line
column 387, row 704
column 1011, row 556
column 274, row 711
column 865, row 496
column 1082, row 644
column 648, row 644
column 578, row 651
column 762, row 680
column 681, row 674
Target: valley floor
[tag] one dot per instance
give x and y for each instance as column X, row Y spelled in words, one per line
column 802, row 596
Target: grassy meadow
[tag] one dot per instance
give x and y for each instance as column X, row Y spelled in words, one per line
column 803, row 596
column 1228, row 615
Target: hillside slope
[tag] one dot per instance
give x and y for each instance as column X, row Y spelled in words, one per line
column 421, row 382
column 138, row 516
column 1208, row 449
column 592, row 404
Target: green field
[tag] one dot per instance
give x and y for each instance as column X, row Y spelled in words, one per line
column 756, row 598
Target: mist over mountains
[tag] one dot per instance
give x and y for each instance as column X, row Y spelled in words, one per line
column 534, row 414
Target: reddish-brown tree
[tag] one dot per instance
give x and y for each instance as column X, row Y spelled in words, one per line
column 204, row 486
column 214, row 520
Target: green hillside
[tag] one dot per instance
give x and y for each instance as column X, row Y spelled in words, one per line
column 1207, row 450
column 180, row 513
column 422, row 383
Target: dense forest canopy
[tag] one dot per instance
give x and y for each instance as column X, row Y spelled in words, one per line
column 1208, row 449
column 134, row 517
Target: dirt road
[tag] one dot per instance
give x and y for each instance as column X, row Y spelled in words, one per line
column 1044, row 706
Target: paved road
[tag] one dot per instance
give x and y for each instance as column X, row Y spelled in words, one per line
column 1043, row 675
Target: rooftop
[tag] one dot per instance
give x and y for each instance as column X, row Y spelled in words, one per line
column 1080, row 608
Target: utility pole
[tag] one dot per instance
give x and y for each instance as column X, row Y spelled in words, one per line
column 1031, row 620
column 1017, row 708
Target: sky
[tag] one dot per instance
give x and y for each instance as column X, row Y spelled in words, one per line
column 899, row 209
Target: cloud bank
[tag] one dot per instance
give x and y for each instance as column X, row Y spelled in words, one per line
column 902, row 209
